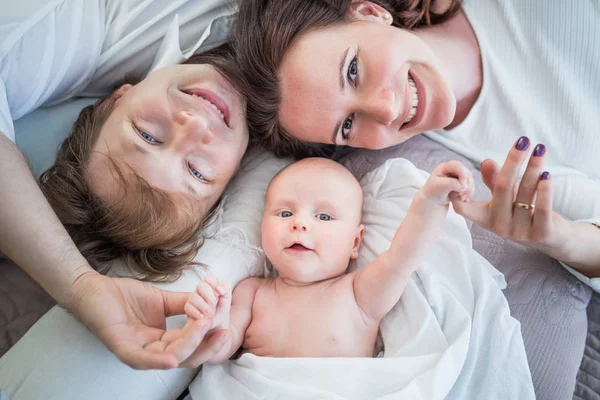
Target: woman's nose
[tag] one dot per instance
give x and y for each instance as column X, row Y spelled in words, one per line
column 381, row 106
column 194, row 128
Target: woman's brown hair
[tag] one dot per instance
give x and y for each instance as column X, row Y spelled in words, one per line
column 155, row 232
column 265, row 30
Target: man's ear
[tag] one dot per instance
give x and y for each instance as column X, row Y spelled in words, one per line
column 357, row 241
column 122, row 90
column 363, row 10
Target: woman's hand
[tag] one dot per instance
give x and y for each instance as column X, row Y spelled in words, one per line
column 129, row 317
column 520, row 211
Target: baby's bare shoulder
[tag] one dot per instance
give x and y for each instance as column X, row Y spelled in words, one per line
column 247, row 288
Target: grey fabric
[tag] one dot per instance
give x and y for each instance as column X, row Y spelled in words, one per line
column 548, row 301
column 3, row 395
column 588, row 378
column 22, row 303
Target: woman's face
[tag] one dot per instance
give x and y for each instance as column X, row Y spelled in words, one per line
column 363, row 84
column 182, row 129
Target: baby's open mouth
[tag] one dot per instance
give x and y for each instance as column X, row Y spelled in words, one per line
column 299, row 247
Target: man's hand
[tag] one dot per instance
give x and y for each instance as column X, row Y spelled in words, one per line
column 211, row 301
column 129, row 318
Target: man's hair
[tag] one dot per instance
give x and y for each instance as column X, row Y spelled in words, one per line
column 266, row 29
column 155, row 232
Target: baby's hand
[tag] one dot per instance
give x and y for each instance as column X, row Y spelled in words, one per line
column 449, row 178
column 211, row 300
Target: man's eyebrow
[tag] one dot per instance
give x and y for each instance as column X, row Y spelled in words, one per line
column 185, row 184
column 191, row 189
column 140, row 149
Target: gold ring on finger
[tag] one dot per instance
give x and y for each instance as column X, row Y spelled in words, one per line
column 524, row 206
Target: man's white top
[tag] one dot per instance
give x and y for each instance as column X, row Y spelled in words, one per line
column 53, row 50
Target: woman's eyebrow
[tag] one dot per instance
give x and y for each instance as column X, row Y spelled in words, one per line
column 343, row 60
column 342, row 75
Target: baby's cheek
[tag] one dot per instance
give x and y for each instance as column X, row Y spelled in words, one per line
column 269, row 241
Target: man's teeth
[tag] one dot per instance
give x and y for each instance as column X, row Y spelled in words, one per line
column 215, row 107
column 415, row 99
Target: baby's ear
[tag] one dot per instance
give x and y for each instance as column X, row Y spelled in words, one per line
column 357, row 240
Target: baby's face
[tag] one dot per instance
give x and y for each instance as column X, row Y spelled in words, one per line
column 311, row 223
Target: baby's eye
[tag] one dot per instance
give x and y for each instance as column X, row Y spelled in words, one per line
column 196, row 173
column 285, row 214
column 147, row 137
column 324, row 217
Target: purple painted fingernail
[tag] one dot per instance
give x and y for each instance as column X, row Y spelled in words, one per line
column 545, row 175
column 539, row 150
column 522, row 143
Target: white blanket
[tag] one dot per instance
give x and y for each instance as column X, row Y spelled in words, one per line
column 450, row 336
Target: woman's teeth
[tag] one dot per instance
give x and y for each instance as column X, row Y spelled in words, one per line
column 415, row 99
column 215, row 107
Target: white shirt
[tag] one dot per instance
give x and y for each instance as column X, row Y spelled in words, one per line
column 53, row 50
column 541, row 79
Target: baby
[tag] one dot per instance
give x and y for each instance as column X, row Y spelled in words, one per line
column 311, row 229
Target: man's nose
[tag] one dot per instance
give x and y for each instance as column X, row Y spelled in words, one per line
column 193, row 128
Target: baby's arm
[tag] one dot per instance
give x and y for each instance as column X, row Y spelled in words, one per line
column 378, row 287
column 230, row 312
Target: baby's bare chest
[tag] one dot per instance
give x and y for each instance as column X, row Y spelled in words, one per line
column 312, row 322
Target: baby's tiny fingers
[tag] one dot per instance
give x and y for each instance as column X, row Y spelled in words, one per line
column 207, row 293
column 454, row 169
column 211, row 280
column 192, row 311
column 200, row 303
column 224, row 289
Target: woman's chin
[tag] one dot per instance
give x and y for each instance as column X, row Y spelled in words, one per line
column 444, row 116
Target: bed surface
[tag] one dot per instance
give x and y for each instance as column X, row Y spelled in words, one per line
column 548, row 301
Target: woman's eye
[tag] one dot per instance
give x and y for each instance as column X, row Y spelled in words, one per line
column 324, row 217
column 285, row 214
column 347, row 126
column 353, row 71
column 147, row 137
column 196, row 173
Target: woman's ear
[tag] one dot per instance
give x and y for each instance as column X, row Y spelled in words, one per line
column 363, row 10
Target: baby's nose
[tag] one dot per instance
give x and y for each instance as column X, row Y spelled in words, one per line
column 299, row 224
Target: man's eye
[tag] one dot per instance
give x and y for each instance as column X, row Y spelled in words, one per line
column 147, row 137
column 347, row 126
column 285, row 214
column 353, row 70
column 324, row 217
column 196, row 173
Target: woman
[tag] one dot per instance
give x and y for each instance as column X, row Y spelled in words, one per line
column 372, row 85
column 192, row 115
column 478, row 74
